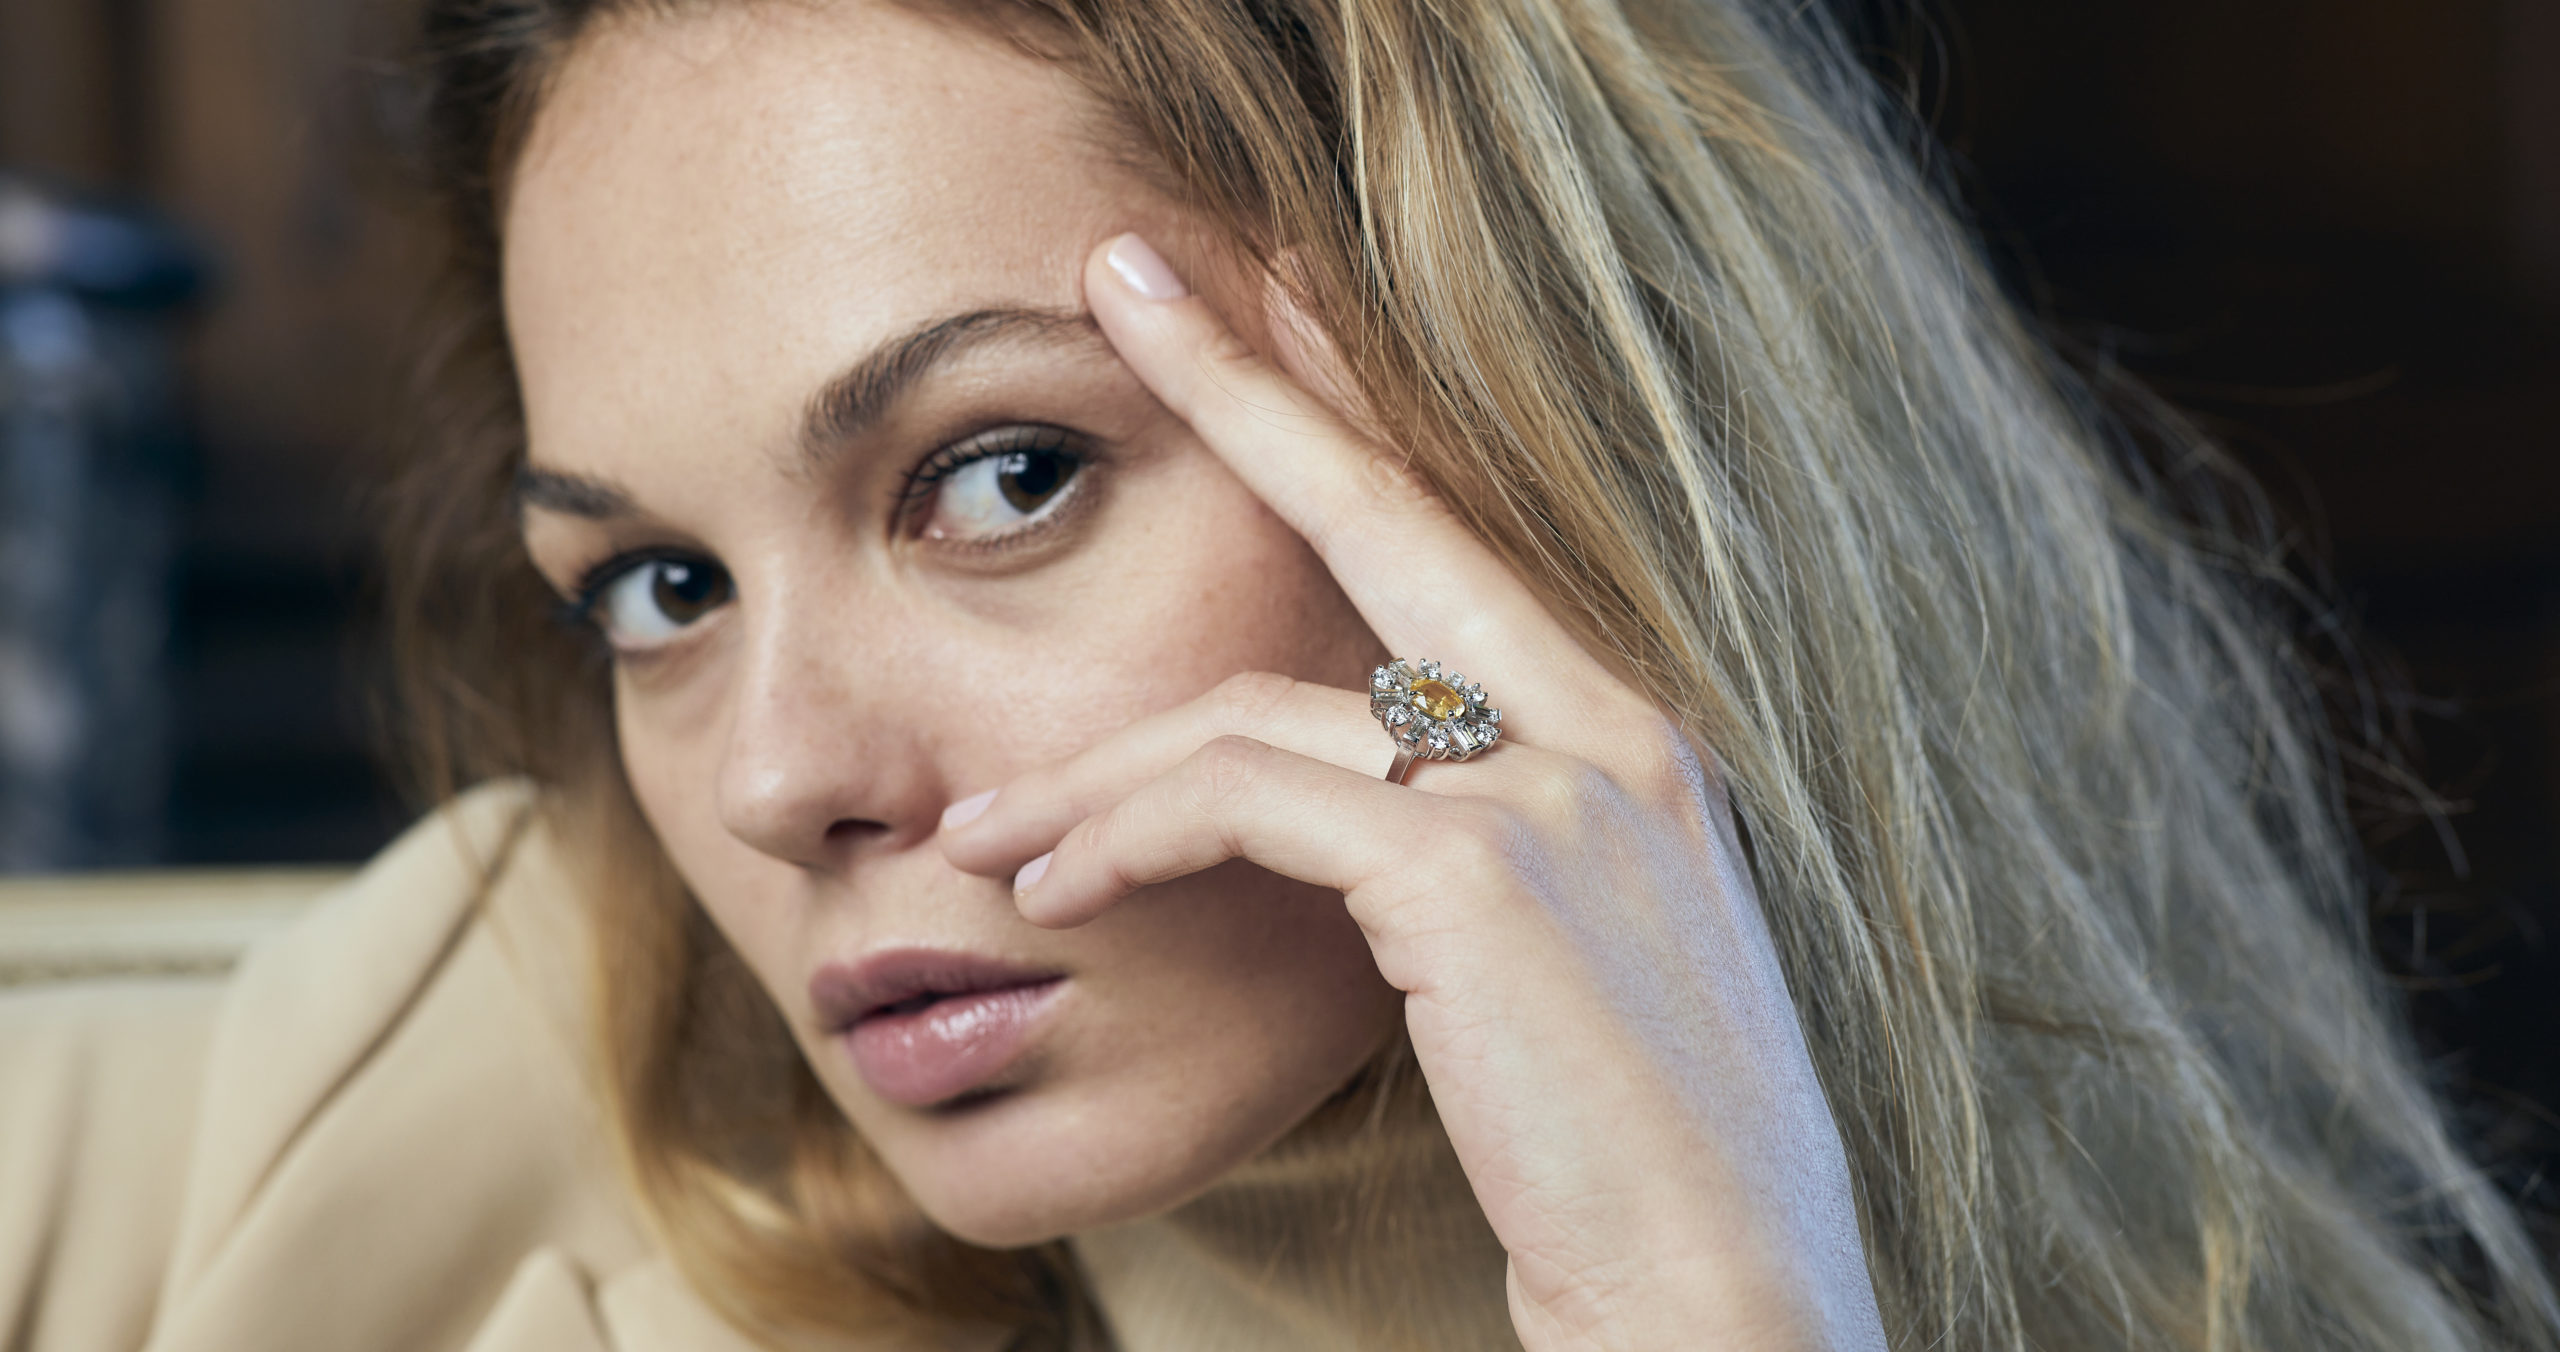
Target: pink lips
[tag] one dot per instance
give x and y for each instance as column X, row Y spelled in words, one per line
column 925, row 1026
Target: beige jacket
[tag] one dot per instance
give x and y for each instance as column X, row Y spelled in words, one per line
column 373, row 1135
column 376, row 1135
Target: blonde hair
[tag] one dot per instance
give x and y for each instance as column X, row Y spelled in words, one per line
column 2036, row 795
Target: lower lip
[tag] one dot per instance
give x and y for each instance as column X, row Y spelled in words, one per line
column 948, row 1047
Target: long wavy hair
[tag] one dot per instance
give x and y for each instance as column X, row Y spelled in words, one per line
column 2037, row 795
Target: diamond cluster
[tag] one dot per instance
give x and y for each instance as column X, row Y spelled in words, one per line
column 1435, row 714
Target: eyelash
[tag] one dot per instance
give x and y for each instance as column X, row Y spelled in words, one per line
column 915, row 487
column 589, row 590
column 918, row 484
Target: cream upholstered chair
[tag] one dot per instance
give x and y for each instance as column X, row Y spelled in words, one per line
column 153, row 923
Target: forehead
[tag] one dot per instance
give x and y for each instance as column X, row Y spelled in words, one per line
column 716, row 210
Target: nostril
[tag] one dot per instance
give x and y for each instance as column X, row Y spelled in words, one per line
column 846, row 830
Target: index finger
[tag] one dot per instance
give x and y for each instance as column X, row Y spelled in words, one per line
column 1426, row 585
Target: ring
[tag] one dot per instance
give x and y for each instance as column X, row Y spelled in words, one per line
column 1431, row 714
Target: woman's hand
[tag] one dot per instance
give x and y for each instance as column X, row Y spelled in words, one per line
column 1589, row 987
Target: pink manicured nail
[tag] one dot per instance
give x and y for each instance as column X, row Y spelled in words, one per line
column 967, row 810
column 1031, row 873
column 1144, row 269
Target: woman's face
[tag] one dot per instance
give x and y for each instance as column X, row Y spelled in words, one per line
column 875, row 520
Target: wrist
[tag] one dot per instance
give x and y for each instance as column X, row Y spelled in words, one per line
column 1703, row 1300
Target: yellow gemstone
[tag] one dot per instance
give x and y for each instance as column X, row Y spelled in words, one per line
column 1438, row 699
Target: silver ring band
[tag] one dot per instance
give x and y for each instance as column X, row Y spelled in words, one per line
column 1402, row 767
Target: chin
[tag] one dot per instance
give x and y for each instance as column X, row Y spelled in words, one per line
column 1034, row 1165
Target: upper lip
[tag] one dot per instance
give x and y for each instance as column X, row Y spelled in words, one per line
column 845, row 994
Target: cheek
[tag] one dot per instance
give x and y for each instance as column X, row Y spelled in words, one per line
column 1221, row 585
column 1264, row 977
column 670, row 755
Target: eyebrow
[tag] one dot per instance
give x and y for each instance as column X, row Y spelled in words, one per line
column 854, row 401
column 859, row 397
column 571, row 494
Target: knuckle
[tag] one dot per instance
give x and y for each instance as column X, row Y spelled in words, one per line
column 1107, row 847
column 1483, row 839
column 1392, row 495
column 1224, row 353
column 1662, row 764
column 1120, row 876
column 1098, row 835
column 1567, row 789
column 1394, row 480
column 1228, row 767
column 1649, row 758
column 1249, row 699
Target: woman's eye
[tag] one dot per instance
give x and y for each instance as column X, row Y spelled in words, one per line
column 652, row 602
column 994, row 493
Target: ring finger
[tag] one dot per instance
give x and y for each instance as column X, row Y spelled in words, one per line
column 1235, row 798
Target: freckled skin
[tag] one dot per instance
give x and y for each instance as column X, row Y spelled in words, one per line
column 715, row 213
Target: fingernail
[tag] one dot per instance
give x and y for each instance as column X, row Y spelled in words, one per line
column 1144, row 269
column 1031, row 873
column 967, row 810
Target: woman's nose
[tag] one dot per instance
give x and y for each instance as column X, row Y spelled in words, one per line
column 817, row 763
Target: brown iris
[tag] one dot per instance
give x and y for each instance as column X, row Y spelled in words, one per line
column 1029, row 478
column 685, row 592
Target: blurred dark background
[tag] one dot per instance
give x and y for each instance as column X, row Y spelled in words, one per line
column 257, row 128
column 2330, row 229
